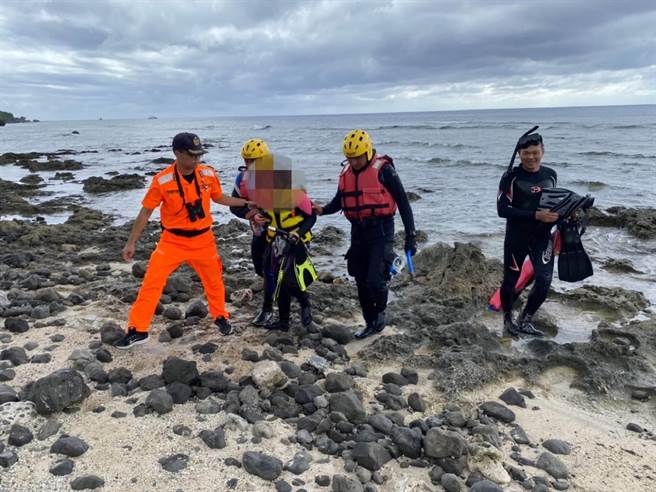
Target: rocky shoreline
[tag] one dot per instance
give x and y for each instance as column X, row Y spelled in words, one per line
column 439, row 401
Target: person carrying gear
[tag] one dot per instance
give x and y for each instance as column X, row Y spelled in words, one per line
column 251, row 150
column 528, row 231
column 286, row 258
column 183, row 192
column 369, row 193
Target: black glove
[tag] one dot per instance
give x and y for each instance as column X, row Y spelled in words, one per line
column 411, row 243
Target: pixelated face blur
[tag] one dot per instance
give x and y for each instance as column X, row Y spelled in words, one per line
column 531, row 157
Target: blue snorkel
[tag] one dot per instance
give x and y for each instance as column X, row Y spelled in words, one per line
column 411, row 266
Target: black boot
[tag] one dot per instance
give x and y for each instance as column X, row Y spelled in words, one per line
column 509, row 326
column 526, row 326
column 375, row 325
column 263, row 318
column 306, row 315
column 379, row 322
column 280, row 325
column 225, row 328
column 368, row 330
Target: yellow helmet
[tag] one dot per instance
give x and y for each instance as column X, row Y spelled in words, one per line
column 356, row 143
column 254, row 149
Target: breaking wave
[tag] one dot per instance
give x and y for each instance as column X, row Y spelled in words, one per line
column 406, row 127
column 608, row 153
column 591, row 185
column 438, row 160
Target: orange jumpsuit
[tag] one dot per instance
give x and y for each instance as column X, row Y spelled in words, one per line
column 172, row 250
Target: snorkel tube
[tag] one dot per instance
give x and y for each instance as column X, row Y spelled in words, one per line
column 514, row 154
column 411, row 265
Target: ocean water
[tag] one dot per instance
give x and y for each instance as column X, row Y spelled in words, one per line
column 453, row 160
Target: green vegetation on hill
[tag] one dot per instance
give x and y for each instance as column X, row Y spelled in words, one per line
column 6, row 117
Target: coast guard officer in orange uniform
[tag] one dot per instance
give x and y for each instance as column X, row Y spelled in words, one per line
column 183, row 192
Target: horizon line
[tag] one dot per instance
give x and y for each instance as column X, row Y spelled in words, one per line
column 152, row 116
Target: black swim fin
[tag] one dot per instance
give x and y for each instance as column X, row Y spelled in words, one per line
column 573, row 262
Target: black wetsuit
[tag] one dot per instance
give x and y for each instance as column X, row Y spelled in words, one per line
column 258, row 247
column 271, row 265
column 262, row 260
column 518, row 199
column 372, row 245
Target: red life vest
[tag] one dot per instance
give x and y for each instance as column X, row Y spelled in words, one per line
column 363, row 195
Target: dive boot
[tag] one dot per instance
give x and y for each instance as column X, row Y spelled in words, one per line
column 278, row 325
column 526, row 327
column 379, row 322
column 509, row 326
column 306, row 316
column 374, row 326
column 263, row 318
column 366, row 331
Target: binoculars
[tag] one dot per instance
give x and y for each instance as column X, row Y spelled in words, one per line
column 195, row 210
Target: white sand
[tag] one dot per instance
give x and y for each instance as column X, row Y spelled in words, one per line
column 125, row 452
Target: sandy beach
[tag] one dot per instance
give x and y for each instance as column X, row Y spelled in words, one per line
column 416, row 408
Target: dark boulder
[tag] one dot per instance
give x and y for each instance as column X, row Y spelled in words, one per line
column 160, row 401
column 442, row 444
column 214, row 381
column 214, row 439
column 16, row 325
column 110, row 333
column 7, row 394
column 182, row 371
column 348, row 403
column 16, row 355
column 174, row 463
column 19, row 435
column 57, row 391
column 87, row 482
column 408, row 441
column 196, row 308
column 62, row 467
column 262, row 465
column 370, row 455
column 340, row 333
column 512, row 397
column 338, row 381
column 498, row 411
column 70, row 446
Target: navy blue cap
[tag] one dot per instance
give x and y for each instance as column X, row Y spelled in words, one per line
column 189, row 142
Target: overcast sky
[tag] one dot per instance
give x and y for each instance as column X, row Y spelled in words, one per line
column 134, row 58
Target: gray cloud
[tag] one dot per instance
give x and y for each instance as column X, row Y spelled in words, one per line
column 82, row 59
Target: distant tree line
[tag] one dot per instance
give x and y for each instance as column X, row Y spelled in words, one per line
column 6, row 117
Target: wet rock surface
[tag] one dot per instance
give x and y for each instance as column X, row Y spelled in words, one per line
column 96, row 184
column 616, row 302
column 293, row 402
column 640, row 222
